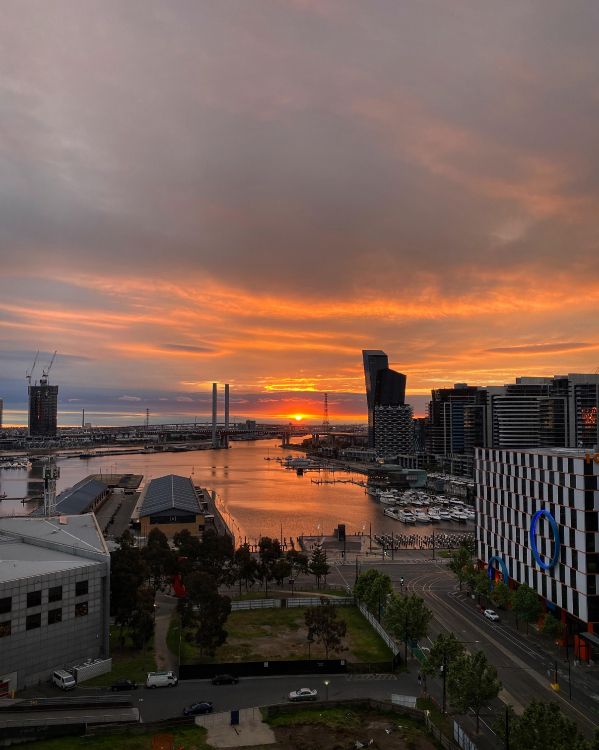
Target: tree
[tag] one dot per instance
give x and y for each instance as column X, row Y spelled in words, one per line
column 324, row 627
column 472, row 683
column 525, row 604
column 141, row 623
column 318, row 565
column 444, row 651
column 281, row 569
column 373, row 588
column 159, row 558
column 269, row 549
column 552, row 627
column 407, row 618
column 460, row 564
column 298, row 560
column 245, row 566
column 501, row 596
column 205, row 610
column 264, row 571
column 215, row 553
column 128, row 573
column 542, row 726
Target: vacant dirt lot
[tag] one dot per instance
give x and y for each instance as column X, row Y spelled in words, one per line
column 281, row 634
column 386, row 735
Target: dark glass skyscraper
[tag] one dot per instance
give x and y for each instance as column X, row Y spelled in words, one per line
column 384, row 387
column 43, row 409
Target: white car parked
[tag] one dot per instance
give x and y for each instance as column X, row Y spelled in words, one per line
column 303, row 694
column 490, row 614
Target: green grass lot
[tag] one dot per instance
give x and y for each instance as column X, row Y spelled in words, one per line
column 188, row 738
column 274, row 634
column 127, row 662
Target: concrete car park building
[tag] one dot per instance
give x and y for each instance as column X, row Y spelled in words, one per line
column 54, row 597
column 537, row 522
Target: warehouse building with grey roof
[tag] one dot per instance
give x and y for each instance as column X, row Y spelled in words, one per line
column 84, row 497
column 54, row 597
column 171, row 504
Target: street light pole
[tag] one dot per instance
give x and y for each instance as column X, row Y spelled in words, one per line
column 444, row 681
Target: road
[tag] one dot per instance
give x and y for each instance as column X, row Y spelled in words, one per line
column 524, row 669
column 164, row 703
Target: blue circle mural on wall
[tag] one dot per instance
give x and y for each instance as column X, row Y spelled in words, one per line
column 533, row 539
column 502, row 568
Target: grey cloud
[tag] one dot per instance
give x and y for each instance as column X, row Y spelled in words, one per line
column 197, row 132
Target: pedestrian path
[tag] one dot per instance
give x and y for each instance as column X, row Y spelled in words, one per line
column 165, row 606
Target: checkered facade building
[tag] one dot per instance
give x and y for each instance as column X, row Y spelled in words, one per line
column 511, row 486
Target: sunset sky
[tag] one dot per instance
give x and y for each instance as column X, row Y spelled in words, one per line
column 252, row 191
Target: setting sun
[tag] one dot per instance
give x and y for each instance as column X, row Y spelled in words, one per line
column 298, row 417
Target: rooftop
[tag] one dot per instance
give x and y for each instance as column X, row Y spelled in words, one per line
column 36, row 546
column 77, row 499
column 168, row 493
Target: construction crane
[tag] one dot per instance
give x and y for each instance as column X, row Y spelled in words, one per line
column 29, row 375
column 46, row 372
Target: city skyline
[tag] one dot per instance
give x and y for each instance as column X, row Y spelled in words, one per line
column 253, row 193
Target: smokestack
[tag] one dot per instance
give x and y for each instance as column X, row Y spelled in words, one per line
column 214, row 397
column 226, row 406
column 82, row 418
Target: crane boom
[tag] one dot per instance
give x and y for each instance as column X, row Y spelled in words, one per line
column 46, row 372
column 29, row 375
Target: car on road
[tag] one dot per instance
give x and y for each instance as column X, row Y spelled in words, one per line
column 303, row 694
column 161, row 679
column 490, row 614
column 225, row 679
column 196, row 709
column 64, row 680
column 123, row 685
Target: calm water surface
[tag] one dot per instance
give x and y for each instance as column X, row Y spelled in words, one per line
column 262, row 497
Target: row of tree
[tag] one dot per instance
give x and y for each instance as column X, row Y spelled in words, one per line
column 201, row 567
column 470, row 680
column 524, row 601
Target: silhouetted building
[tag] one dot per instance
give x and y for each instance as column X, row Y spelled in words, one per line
column 456, row 419
column 384, row 387
column 43, row 409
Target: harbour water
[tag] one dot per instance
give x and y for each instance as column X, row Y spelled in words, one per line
column 262, row 497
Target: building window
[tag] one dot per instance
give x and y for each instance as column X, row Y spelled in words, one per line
column 54, row 616
column 4, row 628
column 5, row 605
column 33, row 621
column 81, row 609
column 34, row 598
column 81, row 588
column 55, row 594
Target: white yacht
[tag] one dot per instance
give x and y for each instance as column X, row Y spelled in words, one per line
column 388, row 498
column 392, row 513
column 406, row 516
column 422, row 517
column 445, row 515
column 458, row 516
column 434, row 516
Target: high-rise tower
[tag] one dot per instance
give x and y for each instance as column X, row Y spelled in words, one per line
column 384, row 387
column 43, row 403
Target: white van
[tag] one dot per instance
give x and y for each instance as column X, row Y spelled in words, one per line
column 63, row 680
column 161, row 679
